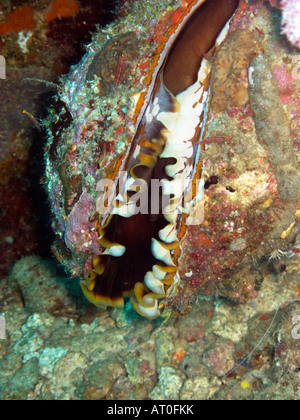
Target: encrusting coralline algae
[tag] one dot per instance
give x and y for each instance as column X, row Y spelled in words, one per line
column 290, row 20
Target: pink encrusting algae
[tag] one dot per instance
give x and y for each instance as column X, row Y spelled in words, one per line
column 290, row 21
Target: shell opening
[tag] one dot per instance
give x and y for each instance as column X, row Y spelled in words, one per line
column 141, row 250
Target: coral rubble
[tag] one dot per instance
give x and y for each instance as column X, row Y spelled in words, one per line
column 49, row 353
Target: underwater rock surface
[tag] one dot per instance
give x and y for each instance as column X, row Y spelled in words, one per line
column 239, row 270
column 72, row 353
column 38, row 41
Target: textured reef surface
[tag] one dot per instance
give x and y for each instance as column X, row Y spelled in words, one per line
column 231, row 330
column 39, row 41
column 56, row 347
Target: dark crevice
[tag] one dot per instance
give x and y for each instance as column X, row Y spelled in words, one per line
column 104, row 12
column 213, row 180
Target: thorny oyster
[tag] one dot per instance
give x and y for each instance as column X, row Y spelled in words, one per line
column 155, row 89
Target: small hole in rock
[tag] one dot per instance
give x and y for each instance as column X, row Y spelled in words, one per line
column 213, row 180
column 230, row 189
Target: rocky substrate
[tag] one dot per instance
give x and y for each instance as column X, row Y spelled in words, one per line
column 59, row 347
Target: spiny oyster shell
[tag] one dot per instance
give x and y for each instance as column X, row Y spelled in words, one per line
column 102, row 108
